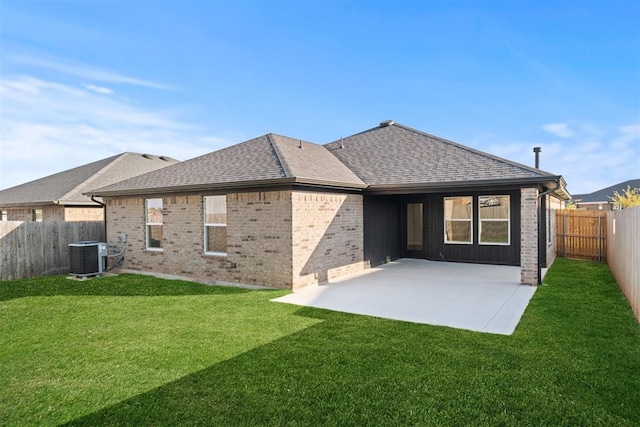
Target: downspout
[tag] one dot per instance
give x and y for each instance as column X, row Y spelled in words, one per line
column 104, row 214
column 557, row 181
column 542, row 249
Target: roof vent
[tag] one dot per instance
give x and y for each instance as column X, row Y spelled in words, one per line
column 148, row 156
column 386, row 123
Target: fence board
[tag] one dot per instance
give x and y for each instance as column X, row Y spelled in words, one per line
column 623, row 253
column 581, row 234
column 33, row 249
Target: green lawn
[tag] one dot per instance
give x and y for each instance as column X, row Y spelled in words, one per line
column 135, row 350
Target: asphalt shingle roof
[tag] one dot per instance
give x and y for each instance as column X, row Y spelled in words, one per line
column 385, row 155
column 396, row 155
column 267, row 158
column 605, row 194
column 67, row 187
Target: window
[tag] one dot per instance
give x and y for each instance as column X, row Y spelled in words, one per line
column 5, row 215
column 215, row 225
column 36, row 215
column 494, row 220
column 154, row 223
column 458, row 213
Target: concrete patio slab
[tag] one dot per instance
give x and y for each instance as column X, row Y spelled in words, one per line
column 484, row 298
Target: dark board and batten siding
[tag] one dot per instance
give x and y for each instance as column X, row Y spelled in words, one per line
column 385, row 230
column 382, row 229
column 436, row 249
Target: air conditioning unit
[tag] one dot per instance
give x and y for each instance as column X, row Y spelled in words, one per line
column 87, row 258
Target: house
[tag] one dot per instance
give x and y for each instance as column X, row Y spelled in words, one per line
column 288, row 213
column 601, row 199
column 59, row 197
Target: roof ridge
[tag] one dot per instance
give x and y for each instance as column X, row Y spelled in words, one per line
column 361, row 178
column 286, row 169
column 474, row 150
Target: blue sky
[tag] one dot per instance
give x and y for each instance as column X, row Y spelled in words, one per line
column 81, row 81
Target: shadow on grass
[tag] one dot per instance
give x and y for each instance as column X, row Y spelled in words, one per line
column 569, row 363
column 355, row 370
column 328, row 374
column 120, row 285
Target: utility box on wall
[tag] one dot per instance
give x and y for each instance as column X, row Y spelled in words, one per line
column 87, row 258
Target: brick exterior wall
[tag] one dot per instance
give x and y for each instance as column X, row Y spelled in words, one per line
column 529, row 236
column 328, row 240
column 258, row 238
column 49, row 213
column 83, row 213
column 52, row 213
column 285, row 239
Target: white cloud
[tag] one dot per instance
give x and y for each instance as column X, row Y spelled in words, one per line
column 561, row 130
column 593, row 157
column 627, row 135
column 52, row 127
column 84, row 72
column 99, row 89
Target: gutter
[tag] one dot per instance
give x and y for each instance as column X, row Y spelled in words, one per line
column 223, row 186
column 439, row 186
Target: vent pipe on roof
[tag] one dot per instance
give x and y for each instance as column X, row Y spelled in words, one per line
column 386, row 123
column 537, row 150
column 341, row 142
column 300, row 144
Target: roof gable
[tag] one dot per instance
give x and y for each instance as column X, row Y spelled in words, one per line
column 267, row 159
column 67, row 187
column 253, row 160
column 393, row 154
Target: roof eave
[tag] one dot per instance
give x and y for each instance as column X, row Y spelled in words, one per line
column 431, row 187
column 48, row 203
column 238, row 185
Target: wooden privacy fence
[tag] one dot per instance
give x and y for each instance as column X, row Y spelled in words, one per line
column 623, row 253
column 32, row 249
column 581, row 234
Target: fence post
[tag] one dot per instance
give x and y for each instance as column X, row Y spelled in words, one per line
column 564, row 234
column 599, row 236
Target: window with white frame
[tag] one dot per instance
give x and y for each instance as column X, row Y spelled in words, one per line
column 36, row 215
column 215, row 225
column 494, row 220
column 153, row 214
column 458, row 216
column 5, row 215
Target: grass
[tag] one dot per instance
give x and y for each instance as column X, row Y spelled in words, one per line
column 134, row 350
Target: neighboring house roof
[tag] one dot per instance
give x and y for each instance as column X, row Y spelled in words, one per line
column 67, row 187
column 390, row 156
column 604, row 195
column 266, row 160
